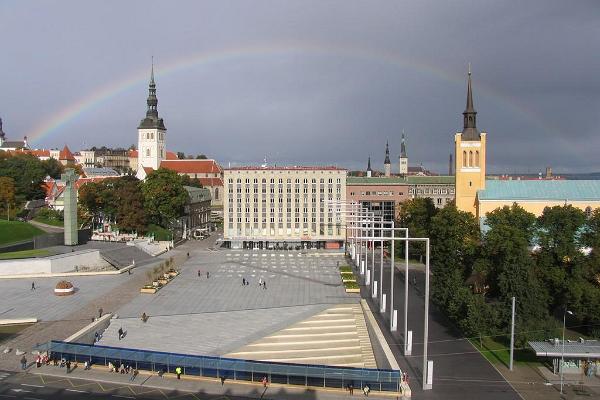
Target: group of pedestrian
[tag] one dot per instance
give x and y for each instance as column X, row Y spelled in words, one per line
column 124, row 369
column 200, row 274
column 41, row 359
column 366, row 389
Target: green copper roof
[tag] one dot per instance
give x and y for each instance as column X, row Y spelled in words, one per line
column 397, row 180
column 541, row 190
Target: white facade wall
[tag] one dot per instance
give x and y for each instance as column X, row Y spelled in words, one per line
column 271, row 204
column 151, row 147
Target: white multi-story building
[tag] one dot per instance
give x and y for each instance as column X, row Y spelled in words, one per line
column 284, row 207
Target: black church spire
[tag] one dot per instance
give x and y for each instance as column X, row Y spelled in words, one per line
column 470, row 131
column 387, row 154
column 152, row 121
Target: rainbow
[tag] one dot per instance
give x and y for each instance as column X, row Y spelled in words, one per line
column 104, row 93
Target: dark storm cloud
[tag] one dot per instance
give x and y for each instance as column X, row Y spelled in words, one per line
column 340, row 78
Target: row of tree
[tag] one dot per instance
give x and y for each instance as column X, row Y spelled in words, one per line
column 133, row 204
column 26, row 175
column 548, row 263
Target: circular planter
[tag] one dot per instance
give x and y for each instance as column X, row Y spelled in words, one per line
column 64, row 288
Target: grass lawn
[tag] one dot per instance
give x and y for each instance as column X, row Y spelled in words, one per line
column 160, row 233
column 49, row 221
column 15, row 231
column 499, row 353
column 25, row 254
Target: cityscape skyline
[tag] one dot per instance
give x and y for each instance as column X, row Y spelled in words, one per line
column 306, row 84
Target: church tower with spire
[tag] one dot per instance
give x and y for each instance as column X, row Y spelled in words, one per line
column 403, row 158
column 386, row 164
column 369, row 170
column 469, row 157
column 151, row 133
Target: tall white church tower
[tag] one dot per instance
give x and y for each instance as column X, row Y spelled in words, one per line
column 403, row 158
column 151, row 134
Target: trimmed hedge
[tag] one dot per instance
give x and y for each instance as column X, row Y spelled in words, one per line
column 345, row 268
column 351, row 285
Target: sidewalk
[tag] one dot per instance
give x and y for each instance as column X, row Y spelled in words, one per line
column 193, row 384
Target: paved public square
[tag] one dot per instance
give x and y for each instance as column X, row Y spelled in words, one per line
column 207, row 310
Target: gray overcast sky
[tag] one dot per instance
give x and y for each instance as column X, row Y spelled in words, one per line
column 311, row 82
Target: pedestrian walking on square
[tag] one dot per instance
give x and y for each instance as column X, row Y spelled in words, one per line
column 23, row 362
column 264, row 381
column 351, row 388
column 32, row 285
column 178, row 372
column 243, row 281
column 260, row 281
column 222, row 380
column 366, row 390
column 68, row 364
column 265, row 285
column 100, row 311
column 134, row 373
column 207, row 274
column 120, row 333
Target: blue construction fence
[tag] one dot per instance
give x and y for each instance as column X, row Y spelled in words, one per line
column 383, row 380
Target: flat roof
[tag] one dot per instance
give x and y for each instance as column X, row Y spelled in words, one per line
column 551, row 348
column 286, row 168
column 399, row 180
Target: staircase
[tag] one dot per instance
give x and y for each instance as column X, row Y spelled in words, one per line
column 122, row 257
column 336, row 336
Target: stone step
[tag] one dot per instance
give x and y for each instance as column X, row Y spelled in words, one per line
column 325, row 360
column 336, row 351
column 315, row 336
column 318, row 329
column 315, row 344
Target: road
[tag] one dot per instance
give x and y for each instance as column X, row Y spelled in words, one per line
column 31, row 387
column 459, row 370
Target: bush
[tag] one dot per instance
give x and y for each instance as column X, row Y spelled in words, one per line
column 345, row 268
column 351, row 285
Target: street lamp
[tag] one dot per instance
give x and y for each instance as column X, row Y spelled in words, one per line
column 562, row 357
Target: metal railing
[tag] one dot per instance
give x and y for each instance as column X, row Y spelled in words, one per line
column 229, row 368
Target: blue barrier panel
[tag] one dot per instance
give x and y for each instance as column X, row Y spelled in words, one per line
column 228, row 368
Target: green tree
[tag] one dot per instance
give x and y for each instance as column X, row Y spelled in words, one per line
column 515, row 216
column 416, row 215
column 52, row 168
column 559, row 230
column 7, row 193
column 454, row 237
column 27, row 172
column 130, row 212
column 164, row 196
column 187, row 181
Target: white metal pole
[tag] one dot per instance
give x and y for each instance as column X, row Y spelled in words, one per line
column 392, row 280
column 407, row 352
column 372, row 254
column 562, row 356
column 512, row 335
column 426, row 385
column 381, row 272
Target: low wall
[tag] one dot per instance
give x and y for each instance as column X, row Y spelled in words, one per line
column 46, row 240
column 54, row 264
column 87, row 334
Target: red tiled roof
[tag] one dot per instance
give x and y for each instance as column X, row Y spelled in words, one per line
column 210, row 181
column 291, row 168
column 170, row 155
column 148, row 170
column 192, row 166
column 65, row 154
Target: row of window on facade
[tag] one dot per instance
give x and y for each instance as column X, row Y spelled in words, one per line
column 280, row 200
column 430, row 191
column 288, row 231
column 288, row 180
column 305, row 190
column 150, row 135
column 384, row 193
column 470, row 158
column 161, row 153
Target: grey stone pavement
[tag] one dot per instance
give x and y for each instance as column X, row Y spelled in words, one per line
column 215, row 315
column 51, row 382
column 61, row 316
